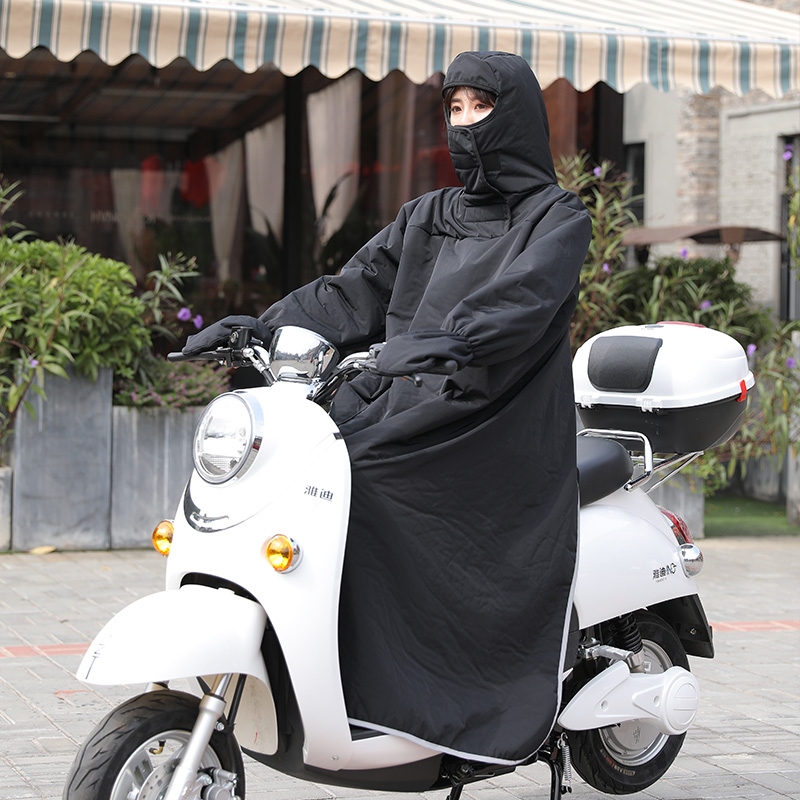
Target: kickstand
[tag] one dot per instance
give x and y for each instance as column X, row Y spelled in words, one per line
column 556, row 778
column 455, row 791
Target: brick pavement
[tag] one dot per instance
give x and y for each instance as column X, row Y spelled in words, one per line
column 745, row 745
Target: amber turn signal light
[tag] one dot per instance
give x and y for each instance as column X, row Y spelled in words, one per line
column 162, row 536
column 282, row 553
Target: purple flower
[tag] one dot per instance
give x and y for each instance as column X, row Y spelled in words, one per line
column 184, row 315
column 684, row 253
column 34, row 362
column 198, row 322
column 597, row 171
column 606, row 269
column 751, row 348
column 706, row 304
column 791, row 362
column 788, row 152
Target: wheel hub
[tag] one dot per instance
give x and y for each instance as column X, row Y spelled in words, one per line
column 157, row 783
column 636, row 742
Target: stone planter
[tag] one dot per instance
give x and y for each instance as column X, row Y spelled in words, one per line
column 91, row 476
column 6, row 477
column 151, row 462
column 676, row 495
column 762, row 481
column 62, row 466
column 793, row 488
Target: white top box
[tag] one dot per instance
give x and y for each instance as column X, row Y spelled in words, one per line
column 660, row 367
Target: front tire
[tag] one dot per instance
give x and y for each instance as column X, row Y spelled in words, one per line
column 627, row 758
column 131, row 753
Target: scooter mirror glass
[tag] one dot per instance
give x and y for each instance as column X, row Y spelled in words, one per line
column 297, row 354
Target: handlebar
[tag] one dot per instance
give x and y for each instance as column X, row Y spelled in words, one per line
column 358, row 362
column 242, row 349
column 231, row 354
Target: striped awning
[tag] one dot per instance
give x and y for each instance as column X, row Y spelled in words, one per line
column 699, row 45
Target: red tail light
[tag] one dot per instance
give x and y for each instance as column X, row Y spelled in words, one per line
column 679, row 527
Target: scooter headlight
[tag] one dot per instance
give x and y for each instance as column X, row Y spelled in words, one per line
column 226, row 440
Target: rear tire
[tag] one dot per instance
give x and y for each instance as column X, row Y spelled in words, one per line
column 130, row 754
column 627, row 758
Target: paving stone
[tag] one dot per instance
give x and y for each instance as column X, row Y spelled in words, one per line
column 744, row 746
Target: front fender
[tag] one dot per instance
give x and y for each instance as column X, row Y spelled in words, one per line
column 180, row 633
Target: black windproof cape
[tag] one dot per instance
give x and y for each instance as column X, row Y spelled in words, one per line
column 463, row 530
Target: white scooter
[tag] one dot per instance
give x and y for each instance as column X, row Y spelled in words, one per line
column 249, row 613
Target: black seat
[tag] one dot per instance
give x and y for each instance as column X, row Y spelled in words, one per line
column 603, row 467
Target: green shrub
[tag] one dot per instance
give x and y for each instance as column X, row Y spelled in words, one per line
column 173, row 385
column 700, row 290
column 62, row 305
column 84, row 303
column 608, row 196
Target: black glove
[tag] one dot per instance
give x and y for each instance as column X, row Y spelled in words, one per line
column 219, row 332
column 422, row 351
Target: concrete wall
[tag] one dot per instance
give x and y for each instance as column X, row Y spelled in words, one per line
column 793, row 488
column 677, row 496
column 90, row 476
column 62, row 466
column 6, row 483
column 651, row 117
column 151, row 463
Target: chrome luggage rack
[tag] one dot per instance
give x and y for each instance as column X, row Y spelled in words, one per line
column 648, row 462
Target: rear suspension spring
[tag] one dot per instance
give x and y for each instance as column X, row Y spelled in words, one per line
column 625, row 633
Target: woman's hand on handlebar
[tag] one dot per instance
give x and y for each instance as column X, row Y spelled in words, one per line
column 203, row 344
column 435, row 352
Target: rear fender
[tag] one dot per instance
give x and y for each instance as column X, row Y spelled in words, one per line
column 688, row 618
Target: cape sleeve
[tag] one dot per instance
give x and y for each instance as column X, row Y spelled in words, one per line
column 511, row 313
column 348, row 308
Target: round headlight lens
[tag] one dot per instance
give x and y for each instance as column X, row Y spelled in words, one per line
column 225, row 442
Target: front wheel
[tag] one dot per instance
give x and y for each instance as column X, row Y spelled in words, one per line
column 132, row 753
column 629, row 757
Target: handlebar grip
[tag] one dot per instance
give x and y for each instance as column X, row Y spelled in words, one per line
column 205, row 355
column 449, row 367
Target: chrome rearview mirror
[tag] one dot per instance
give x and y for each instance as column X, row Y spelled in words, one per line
column 300, row 355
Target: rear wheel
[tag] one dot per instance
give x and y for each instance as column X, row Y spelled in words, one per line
column 132, row 753
column 626, row 758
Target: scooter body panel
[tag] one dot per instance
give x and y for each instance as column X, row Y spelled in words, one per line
column 628, row 558
column 669, row 700
column 306, row 497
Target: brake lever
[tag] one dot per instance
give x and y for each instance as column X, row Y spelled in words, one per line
column 222, row 355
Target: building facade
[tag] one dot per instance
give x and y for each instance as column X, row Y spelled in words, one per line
column 720, row 159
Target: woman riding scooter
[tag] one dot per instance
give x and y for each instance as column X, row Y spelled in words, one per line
column 463, row 528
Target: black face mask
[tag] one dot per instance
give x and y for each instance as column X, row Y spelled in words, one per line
column 506, row 153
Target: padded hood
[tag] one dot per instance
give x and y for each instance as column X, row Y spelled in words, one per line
column 508, row 151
